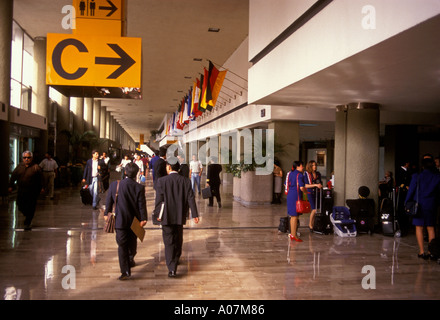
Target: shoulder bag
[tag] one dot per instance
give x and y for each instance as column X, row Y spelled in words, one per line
column 302, row 206
column 109, row 226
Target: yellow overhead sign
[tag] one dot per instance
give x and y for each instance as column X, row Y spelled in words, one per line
column 98, row 9
column 96, row 61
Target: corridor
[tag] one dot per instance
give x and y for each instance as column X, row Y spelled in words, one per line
column 234, row 253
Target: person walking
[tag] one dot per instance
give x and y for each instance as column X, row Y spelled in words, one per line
column 312, row 180
column 195, row 172
column 90, row 177
column 425, row 189
column 29, row 180
column 213, row 181
column 49, row 167
column 104, row 172
column 130, row 203
column 294, row 187
column 174, row 195
column 160, row 166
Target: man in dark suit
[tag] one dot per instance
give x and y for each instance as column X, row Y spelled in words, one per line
column 130, row 203
column 213, row 181
column 160, row 166
column 90, row 177
column 174, row 195
column 184, row 168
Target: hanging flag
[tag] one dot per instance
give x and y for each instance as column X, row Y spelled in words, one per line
column 206, row 93
column 216, row 88
column 196, row 100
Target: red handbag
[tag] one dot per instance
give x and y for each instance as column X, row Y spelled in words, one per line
column 302, row 206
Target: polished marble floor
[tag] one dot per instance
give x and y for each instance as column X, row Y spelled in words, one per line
column 234, row 253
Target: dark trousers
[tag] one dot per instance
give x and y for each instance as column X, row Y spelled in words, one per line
column 26, row 203
column 173, row 241
column 215, row 191
column 127, row 246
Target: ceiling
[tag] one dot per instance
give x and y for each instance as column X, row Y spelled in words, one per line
column 173, row 33
column 402, row 74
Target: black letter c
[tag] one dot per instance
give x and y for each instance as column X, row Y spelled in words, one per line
column 56, row 58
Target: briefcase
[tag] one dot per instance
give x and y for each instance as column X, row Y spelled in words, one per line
column 206, row 193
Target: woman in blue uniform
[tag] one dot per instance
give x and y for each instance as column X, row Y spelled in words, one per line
column 428, row 199
column 292, row 196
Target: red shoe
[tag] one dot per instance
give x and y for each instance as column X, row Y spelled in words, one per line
column 294, row 238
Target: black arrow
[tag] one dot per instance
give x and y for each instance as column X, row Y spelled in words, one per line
column 124, row 61
column 112, row 8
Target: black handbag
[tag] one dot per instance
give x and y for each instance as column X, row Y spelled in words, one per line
column 412, row 207
column 109, row 225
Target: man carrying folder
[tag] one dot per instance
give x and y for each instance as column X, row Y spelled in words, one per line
column 174, row 196
column 130, row 201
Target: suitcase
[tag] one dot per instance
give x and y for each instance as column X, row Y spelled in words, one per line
column 362, row 210
column 86, row 196
column 284, row 226
column 322, row 223
column 387, row 217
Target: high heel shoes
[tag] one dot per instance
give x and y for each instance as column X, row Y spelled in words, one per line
column 292, row 237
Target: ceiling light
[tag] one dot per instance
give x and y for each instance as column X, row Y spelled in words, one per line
column 213, row 29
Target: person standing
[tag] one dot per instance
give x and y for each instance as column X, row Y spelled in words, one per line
column 49, row 167
column 277, row 182
column 213, row 181
column 29, row 180
column 428, row 194
column 174, row 196
column 195, row 172
column 130, row 203
column 312, row 180
column 90, row 177
column 294, row 187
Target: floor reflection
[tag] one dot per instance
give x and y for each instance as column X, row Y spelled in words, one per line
column 234, row 253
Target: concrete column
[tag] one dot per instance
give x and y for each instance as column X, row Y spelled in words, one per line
column 88, row 114
column 63, row 125
column 103, row 123
column 40, row 101
column 287, row 143
column 6, row 14
column 97, row 117
column 77, row 107
column 356, row 151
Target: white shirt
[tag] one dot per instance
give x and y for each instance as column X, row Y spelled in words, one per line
column 195, row 166
column 124, row 162
column 94, row 168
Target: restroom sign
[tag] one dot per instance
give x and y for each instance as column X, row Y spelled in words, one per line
column 94, row 61
column 98, row 9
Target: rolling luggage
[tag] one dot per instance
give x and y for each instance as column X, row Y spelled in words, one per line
column 362, row 210
column 284, row 226
column 86, row 196
column 388, row 216
column 322, row 223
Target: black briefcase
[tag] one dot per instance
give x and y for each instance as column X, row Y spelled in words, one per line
column 206, row 193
